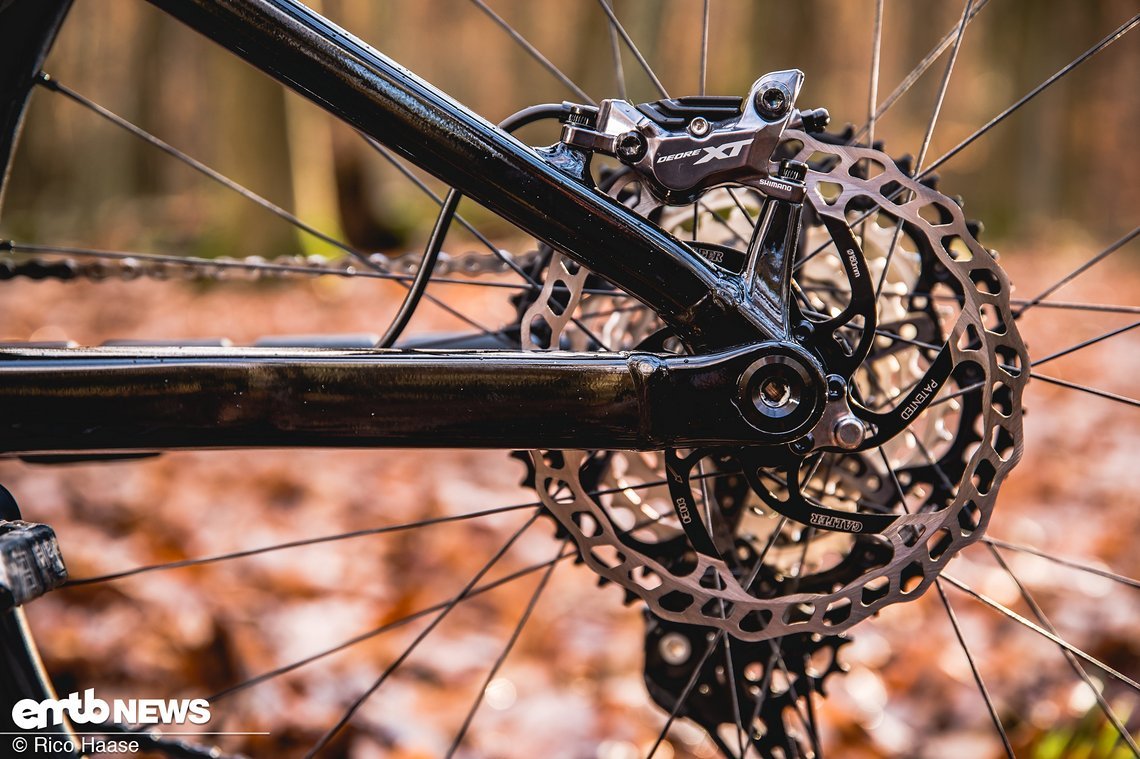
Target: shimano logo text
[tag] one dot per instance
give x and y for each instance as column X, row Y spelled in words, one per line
column 829, row 522
column 29, row 714
column 919, row 399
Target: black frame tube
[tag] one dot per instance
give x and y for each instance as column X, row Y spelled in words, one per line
column 86, row 401
column 65, row 400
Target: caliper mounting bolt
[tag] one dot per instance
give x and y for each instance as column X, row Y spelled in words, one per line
column 630, row 147
column 773, row 101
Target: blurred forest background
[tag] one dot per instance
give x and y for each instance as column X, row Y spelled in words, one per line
column 1061, row 165
column 1054, row 184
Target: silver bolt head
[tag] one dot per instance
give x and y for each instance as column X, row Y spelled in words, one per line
column 699, row 126
column 675, row 648
column 849, row 432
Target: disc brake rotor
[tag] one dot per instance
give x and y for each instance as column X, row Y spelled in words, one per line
column 798, row 547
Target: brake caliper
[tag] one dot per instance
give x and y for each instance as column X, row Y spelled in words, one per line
column 683, row 146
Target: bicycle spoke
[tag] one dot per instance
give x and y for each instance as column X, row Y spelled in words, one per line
column 873, row 93
column 299, row 543
column 1035, row 300
column 806, row 720
column 921, row 68
column 542, row 583
column 740, row 206
column 1002, row 609
column 615, row 54
column 723, row 222
column 812, row 721
column 1045, row 359
column 1071, row 563
column 46, row 81
column 685, row 693
column 534, row 53
column 354, row 707
column 387, row 155
column 767, row 547
column 704, row 63
column 1086, row 389
column 730, row 676
column 1074, row 663
column 894, row 479
column 766, row 681
column 1086, row 343
column 374, row 632
column 369, row 531
column 930, row 125
column 942, row 87
column 1112, row 37
column 629, row 43
column 1108, row 308
column 974, row 669
column 873, row 89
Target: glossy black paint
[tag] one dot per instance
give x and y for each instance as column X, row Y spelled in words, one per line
column 60, row 400
column 90, row 400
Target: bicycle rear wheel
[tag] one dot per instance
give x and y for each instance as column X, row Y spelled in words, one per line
column 221, row 641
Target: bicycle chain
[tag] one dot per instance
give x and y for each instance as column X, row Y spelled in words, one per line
column 62, row 266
